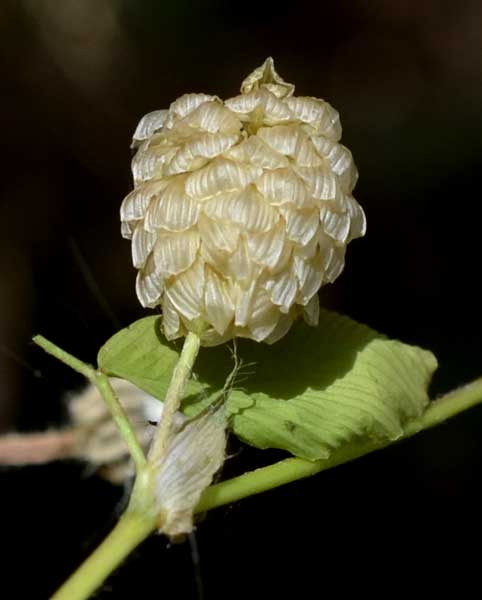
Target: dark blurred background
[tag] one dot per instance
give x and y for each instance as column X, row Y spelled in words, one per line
column 76, row 76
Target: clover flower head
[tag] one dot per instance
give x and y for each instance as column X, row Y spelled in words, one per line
column 241, row 210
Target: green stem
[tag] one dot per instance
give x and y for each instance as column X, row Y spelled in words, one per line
column 101, row 381
column 174, row 395
column 292, row 469
column 139, row 522
column 129, row 532
column 121, row 420
column 140, row 518
column 74, row 363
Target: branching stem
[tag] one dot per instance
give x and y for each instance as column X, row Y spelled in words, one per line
column 101, row 381
column 139, row 520
column 292, row 469
column 129, row 532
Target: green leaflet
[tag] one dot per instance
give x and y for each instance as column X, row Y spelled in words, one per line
column 309, row 393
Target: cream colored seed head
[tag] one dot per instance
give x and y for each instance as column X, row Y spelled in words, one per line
column 241, row 209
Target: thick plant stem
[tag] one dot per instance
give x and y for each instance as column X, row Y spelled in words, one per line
column 129, row 532
column 174, row 394
column 292, row 469
column 140, row 518
column 101, row 381
column 139, row 521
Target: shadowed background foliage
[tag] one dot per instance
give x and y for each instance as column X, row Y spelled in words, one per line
column 76, row 76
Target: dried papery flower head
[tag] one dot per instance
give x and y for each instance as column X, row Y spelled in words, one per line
column 241, row 209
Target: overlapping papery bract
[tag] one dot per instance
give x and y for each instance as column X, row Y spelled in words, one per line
column 241, row 209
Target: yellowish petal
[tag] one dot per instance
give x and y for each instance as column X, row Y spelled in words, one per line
column 282, row 327
column 149, row 284
column 310, row 276
column 244, row 302
column 134, row 205
column 186, row 291
column 301, row 225
column 187, row 103
column 196, row 152
column 142, row 243
column 212, row 117
column 173, row 209
column 256, row 152
column 171, row 323
column 218, row 300
column 264, row 316
column 282, row 289
column 175, row 252
column 321, row 182
column 358, row 220
column 244, row 103
column 149, row 124
column 218, row 235
column 324, row 119
column 148, row 163
column 274, row 110
column 246, row 208
column 283, row 186
column 239, row 265
column 266, row 248
column 336, row 225
column 221, row 175
column 340, row 160
column 266, row 75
